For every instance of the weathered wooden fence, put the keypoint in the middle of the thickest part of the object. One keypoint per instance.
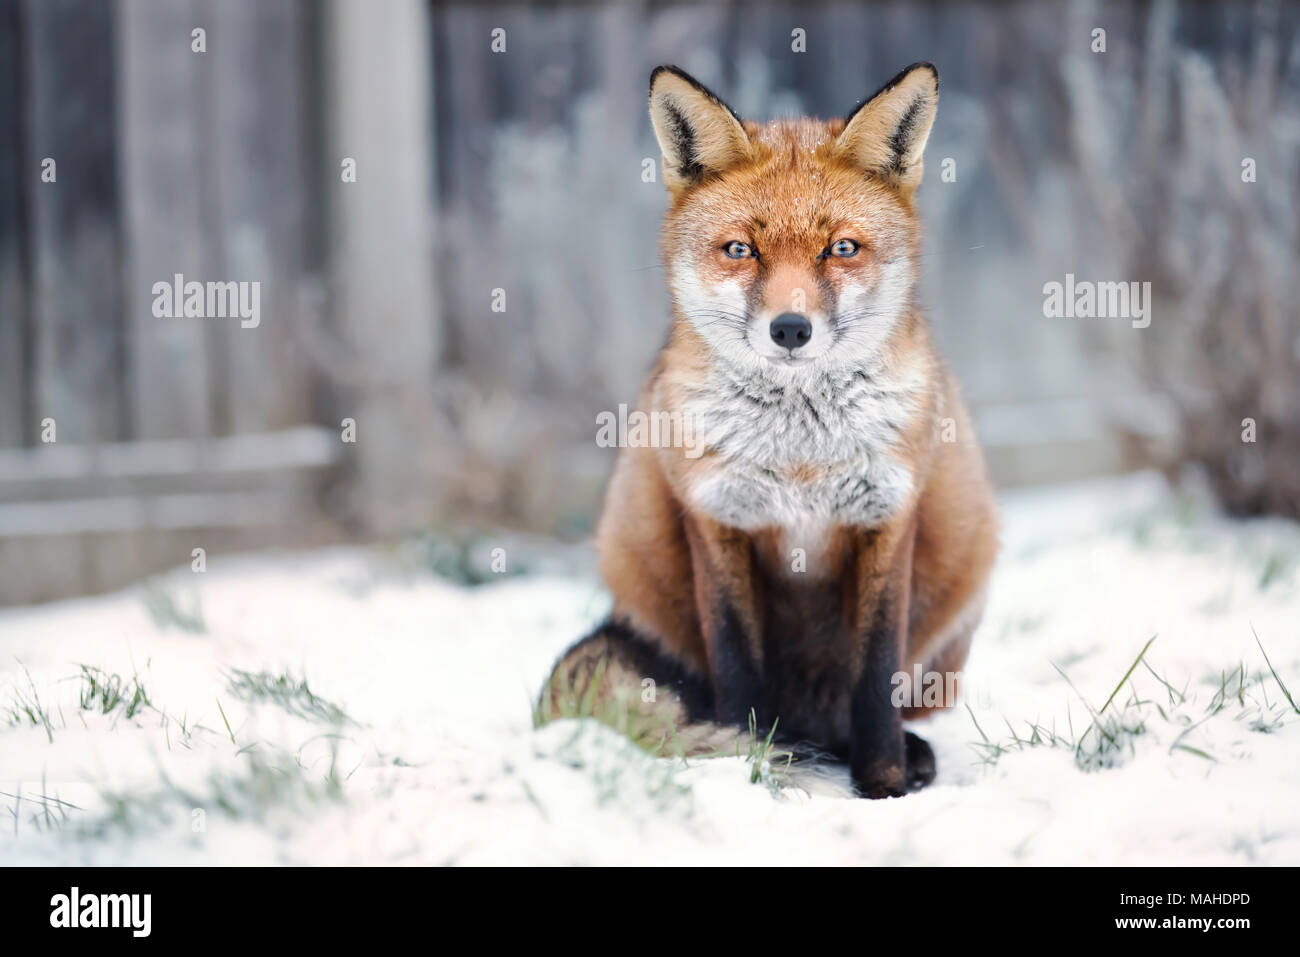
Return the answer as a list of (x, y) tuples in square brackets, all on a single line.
[(445, 208), (1053, 153), (183, 141)]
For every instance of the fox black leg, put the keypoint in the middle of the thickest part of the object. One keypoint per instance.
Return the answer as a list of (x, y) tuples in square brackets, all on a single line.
[(877, 754), (737, 686), (722, 563), (883, 760)]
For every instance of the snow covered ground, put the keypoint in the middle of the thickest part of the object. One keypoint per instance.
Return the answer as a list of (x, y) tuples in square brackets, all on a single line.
[(414, 743)]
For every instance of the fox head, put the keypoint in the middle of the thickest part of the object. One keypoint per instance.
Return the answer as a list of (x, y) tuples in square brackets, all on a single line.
[(792, 246)]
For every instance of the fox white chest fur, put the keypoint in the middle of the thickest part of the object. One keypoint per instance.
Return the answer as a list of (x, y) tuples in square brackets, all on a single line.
[(801, 453)]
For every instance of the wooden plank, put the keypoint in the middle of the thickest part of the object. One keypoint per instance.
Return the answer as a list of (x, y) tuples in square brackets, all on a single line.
[(15, 337), (164, 172), (466, 110), (76, 255), (305, 446), (34, 569), (259, 180), (622, 338), (468, 119), (382, 260), (77, 351), (136, 513)]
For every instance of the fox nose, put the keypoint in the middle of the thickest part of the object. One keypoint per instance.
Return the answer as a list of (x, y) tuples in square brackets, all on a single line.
[(790, 330)]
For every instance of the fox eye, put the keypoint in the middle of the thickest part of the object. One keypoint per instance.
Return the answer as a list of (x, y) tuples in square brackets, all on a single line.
[(738, 250), (843, 248)]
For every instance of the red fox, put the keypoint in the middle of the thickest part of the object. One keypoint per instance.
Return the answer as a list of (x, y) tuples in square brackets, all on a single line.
[(838, 527)]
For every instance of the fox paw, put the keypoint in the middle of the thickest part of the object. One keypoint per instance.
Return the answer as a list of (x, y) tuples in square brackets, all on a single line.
[(917, 771), (921, 767)]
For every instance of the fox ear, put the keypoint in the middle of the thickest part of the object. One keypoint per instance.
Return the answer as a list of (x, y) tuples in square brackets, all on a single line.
[(886, 135), (698, 133)]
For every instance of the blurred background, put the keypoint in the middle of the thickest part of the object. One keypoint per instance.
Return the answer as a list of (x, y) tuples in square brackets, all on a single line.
[(487, 280)]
